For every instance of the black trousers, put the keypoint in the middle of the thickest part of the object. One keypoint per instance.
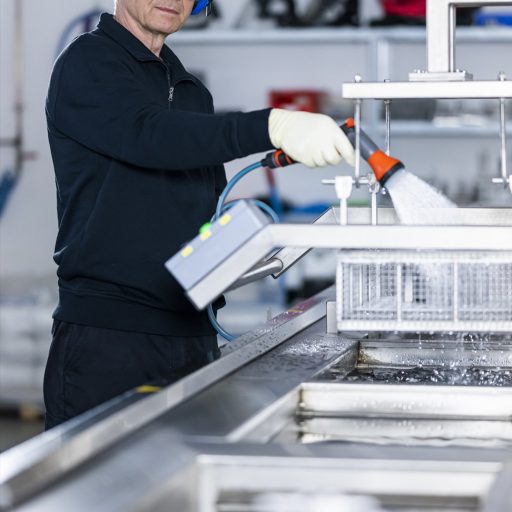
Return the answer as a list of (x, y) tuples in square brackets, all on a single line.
[(88, 365)]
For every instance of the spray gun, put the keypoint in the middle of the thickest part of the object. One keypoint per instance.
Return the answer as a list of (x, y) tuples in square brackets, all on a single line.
[(383, 166)]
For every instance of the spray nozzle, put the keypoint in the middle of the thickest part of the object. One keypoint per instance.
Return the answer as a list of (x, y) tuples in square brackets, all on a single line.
[(383, 166)]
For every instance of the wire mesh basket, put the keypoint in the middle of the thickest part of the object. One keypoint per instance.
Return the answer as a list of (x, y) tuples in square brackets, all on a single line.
[(424, 291)]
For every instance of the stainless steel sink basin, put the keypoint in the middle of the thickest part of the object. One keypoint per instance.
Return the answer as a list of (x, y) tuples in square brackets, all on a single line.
[(402, 392), (410, 392)]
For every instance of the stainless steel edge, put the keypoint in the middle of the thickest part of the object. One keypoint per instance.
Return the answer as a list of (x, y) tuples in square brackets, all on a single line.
[(387, 216), (442, 90), (392, 237), (306, 236)]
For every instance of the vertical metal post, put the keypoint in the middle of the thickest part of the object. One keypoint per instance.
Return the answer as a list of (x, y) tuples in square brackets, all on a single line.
[(441, 31), (387, 111), (330, 316), (452, 26), (455, 292), (503, 137), (357, 119), (398, 268), (351, 288), (360, 286), (343, 212), (377, 280), (374, 207), (341, 286), (387, 104)]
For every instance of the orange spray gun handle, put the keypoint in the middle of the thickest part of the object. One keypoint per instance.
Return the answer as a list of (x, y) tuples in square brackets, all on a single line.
[(383, 166)]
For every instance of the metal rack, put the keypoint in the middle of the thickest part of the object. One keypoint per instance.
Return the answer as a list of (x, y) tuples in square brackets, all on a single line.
[(424, 291)]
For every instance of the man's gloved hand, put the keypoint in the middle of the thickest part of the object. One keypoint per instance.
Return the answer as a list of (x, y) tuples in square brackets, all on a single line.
[(312, 139)]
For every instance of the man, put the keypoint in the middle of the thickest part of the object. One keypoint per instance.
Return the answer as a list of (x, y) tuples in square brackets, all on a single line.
[(138, 156)]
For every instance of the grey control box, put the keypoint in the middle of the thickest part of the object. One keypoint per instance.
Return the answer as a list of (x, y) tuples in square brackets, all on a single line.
[(215, 243)]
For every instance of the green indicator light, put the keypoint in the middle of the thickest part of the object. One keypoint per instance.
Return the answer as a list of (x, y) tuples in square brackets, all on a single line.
[(205, 227)]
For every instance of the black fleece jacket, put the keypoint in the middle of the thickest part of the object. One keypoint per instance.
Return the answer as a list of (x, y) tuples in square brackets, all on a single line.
[(138, 155)]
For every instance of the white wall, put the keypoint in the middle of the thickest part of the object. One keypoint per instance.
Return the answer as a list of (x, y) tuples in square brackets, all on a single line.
[(28, 226)]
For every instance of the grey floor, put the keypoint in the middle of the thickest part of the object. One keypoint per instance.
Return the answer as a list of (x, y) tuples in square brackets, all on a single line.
[(14, 430)]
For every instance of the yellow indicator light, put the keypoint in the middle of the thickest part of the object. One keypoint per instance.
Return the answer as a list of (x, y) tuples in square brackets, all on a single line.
[(148, 389), (205, 235), (187, 251), (224, 219)]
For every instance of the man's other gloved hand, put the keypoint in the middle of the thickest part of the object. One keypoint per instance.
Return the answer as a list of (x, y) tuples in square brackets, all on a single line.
[(312, 139)]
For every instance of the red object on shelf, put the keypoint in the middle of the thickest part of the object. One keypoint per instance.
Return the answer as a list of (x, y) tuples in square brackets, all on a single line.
[(405, 8), (301, 100)]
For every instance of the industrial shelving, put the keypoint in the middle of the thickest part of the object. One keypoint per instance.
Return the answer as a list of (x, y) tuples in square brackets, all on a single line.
[(380, 46), (242, 66)]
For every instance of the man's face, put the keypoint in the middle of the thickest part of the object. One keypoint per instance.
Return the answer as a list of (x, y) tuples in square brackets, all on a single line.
[(157, 16)]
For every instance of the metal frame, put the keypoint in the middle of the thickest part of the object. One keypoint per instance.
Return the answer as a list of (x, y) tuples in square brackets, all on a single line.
[(463, 237), (441, 32), (440, 90), (355, 313)]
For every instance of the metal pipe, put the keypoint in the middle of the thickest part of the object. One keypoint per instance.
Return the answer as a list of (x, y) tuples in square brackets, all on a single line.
[(374, 206), (387, 109), (357, 118), (259, 271)]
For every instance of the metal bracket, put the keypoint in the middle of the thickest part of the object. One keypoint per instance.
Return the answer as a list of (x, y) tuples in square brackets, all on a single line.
[(441, 24)]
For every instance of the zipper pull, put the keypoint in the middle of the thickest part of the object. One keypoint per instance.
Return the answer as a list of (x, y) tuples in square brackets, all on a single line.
[(171, 93)]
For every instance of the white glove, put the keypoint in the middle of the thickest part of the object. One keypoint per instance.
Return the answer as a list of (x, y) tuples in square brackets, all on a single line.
[(312, 139)]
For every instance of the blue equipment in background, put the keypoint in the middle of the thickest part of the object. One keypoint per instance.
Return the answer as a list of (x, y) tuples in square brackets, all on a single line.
[(202, 4), (7, 182)]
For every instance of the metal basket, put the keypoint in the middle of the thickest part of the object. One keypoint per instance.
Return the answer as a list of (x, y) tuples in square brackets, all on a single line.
[(424, 291)]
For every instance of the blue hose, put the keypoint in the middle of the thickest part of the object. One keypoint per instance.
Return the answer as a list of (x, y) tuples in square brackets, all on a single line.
[(217, 326), (231, 184), (260, 204), (223, 206)]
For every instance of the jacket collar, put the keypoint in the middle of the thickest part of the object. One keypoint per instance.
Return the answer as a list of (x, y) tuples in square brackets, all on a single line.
[(138, 50)]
